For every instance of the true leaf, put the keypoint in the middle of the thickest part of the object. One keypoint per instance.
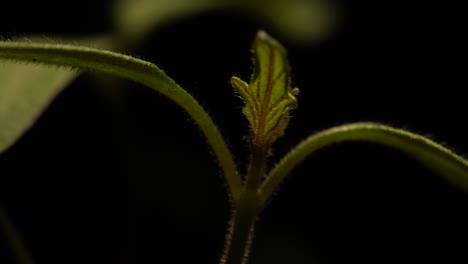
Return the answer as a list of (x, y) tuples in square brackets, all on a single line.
[(268, 98)]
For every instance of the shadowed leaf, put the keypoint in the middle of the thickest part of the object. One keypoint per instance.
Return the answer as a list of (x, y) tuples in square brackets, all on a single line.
[(18, 247), (135, 18), (302, 21)]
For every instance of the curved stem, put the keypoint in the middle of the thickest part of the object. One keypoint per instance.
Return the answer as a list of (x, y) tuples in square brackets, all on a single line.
[(136, 70), (426, 151)]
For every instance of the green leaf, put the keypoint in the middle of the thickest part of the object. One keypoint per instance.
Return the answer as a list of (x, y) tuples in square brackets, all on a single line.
[(133, 19), (268, 98), (429, 153), (25, 91), (301, 21), (134, 69)]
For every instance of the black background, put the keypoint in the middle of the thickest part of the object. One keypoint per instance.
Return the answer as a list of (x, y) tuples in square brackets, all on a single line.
[(116, 173)]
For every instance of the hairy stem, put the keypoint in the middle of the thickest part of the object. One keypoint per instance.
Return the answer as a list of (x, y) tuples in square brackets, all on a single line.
[(426, 151), (257, 168), (239, 238), (240, 235), (136, 70)]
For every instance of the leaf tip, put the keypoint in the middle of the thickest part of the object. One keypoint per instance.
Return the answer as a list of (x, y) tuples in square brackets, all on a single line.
[(268, 97)]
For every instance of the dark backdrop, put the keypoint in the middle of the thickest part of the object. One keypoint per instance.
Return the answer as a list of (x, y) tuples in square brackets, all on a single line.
[(115, 173)]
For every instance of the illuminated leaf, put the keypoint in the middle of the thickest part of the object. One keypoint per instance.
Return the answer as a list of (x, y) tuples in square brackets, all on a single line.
[(25, 91), (268, 98)]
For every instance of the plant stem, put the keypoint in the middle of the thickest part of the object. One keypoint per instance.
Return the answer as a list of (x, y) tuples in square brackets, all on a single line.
[(257, 168), (239, 238), (14, 238)]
